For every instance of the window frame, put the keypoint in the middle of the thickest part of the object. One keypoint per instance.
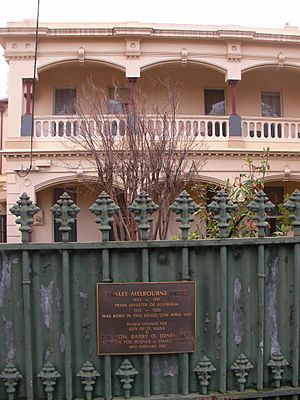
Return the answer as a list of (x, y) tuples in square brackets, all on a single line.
[(55, 89), (123, 105), (225, 99), (271, 93)]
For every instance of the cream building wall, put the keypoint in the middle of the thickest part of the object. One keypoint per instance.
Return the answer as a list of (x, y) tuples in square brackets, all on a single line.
[(193, 57)]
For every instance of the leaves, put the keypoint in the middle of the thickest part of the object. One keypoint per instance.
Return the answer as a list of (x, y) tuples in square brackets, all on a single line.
[(241, 191)]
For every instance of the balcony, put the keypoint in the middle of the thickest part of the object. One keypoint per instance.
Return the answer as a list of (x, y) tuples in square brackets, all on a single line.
[(203, 127), (64, 127), (262, 129)]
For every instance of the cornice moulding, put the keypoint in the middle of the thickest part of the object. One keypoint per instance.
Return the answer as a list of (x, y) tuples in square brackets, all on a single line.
[(155, 30), (15, 153)]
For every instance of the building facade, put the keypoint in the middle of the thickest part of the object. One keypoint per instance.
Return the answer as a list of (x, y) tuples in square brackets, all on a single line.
[(239, 94)]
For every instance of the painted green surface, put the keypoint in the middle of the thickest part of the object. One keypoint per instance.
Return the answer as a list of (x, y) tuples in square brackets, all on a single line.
[(247, 319), (49, 304)]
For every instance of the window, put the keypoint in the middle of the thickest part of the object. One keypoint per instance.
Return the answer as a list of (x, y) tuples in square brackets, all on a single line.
[(3, 233), (276, 196), (118, 100), (58, 191), (214, 101), (270, 104), (65, 102)]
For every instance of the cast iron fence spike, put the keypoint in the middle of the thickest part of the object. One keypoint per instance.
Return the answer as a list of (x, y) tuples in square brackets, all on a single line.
[(222, 208), (143, 207), (277, 364), (88, 375), (24, 210), (185, 207), (241, 368), (11, 378), (65, 211), (49, 375), (203, 370), (260, 205), (127, 374), (293, 205), (104, 208)]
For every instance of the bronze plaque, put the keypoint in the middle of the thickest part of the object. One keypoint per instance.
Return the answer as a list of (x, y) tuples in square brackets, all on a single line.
[(146, 318)]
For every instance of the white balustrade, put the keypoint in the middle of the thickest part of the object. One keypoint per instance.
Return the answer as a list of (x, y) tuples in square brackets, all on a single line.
[(263, 129), (203, 127)]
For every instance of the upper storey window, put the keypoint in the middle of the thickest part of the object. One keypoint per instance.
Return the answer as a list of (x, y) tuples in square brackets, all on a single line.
[(214, 101), (270, 104), (65, 101), (118, 100)]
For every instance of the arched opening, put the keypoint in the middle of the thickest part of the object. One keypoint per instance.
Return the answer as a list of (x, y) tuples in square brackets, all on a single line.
[(191, 88), (65, 90), (268, 99), (194, 93), (278, 191), (84, 228)]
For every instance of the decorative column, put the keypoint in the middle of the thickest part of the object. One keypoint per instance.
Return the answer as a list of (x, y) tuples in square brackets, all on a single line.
[(3, 106), (233, 85), (26, 119), (132, 94), (132, 114), (28, 86), (235, 125)]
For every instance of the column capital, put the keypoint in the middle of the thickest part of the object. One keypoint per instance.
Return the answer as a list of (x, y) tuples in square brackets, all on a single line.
[(233, 82), (28, 81)]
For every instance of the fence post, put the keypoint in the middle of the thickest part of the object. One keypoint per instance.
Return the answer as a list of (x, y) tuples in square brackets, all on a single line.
[(24, 210), (185, 207), (104, 208), (222, 206), (260, 204), (293, 205), (64, 211), (143, 207)]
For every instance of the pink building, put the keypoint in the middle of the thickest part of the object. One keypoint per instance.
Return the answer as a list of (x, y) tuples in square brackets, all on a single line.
[(240, 94)]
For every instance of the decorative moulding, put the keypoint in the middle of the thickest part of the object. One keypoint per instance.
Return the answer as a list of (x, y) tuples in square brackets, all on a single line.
[(132, 48), (81, 54), (281, 58), (234, 51), (184, 56)]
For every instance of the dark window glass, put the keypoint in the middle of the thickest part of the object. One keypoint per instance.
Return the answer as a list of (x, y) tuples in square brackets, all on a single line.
[(65, 102), (118, 100), (3, 232), (214, 101), (270, 104), (57, 234), (275, 195)]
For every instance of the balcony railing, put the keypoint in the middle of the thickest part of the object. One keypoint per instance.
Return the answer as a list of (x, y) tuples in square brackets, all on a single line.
[(203, 127), (263, 129), (54, 127)]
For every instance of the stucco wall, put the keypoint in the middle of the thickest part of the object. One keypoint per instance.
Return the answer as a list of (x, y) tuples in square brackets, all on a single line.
[(87, 229)]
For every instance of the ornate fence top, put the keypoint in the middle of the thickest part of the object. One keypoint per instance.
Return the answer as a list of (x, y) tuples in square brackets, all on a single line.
[(105, 209)]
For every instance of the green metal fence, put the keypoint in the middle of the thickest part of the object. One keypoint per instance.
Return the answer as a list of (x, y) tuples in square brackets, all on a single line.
[(247, 309)]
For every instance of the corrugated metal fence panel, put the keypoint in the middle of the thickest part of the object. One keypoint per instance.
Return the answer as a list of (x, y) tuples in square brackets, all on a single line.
[(47, 290)]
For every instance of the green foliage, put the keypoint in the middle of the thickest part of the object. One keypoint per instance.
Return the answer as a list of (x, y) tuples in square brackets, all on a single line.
[(285, 223), (241, 191)]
